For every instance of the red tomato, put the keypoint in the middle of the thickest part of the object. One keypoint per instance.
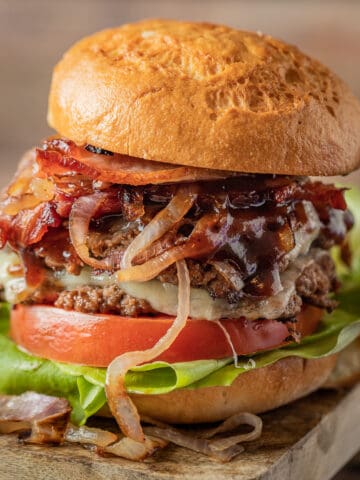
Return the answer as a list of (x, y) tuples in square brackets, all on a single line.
[(73, 337)]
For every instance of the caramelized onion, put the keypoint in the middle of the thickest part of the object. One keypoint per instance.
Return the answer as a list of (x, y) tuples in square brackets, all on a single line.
[(89, 436), (38, 190), (229, 273), (181, 438), (223, 449), (201, 242), (42, 189), (200, 445), (26, 190), (120, 403), (132, 450), (179, 205), (109, 442), (203, 441), (82, 212), (11, 426), (24, 174), (13, 205), (228, 339), (230, 424)]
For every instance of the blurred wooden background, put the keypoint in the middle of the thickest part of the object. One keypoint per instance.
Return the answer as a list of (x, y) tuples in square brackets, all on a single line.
[(35, 33)]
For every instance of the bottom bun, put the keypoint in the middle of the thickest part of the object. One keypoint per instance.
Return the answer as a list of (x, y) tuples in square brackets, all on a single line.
[(347, 370), (255, 391)]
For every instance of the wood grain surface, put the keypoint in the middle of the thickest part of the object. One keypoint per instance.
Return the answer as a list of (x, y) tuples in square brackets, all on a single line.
[(308, 440)]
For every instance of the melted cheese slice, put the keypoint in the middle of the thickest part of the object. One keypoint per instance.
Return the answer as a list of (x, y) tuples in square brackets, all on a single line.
[(163, 297)]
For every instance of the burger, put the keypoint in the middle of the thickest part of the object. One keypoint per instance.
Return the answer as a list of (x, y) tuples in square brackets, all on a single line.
[(165, 253)]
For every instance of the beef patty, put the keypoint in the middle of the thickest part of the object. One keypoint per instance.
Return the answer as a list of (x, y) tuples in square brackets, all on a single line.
[(312, 287)]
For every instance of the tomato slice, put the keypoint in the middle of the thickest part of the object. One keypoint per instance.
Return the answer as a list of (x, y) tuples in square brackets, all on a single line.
[(73, 337)]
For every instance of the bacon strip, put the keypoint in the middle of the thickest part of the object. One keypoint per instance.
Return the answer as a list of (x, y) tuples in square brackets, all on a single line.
[(52, 162), (60, 157), (43, 419), (29, 226), (323, 194)]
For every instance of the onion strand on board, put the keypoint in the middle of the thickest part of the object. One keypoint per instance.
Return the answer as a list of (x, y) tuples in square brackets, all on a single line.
[(89, 436), (230, 424), (196, 444), (120, 404), (221, 449), (179, 205), (132, 450)]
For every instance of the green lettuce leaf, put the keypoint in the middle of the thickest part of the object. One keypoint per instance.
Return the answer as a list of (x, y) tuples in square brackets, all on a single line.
[(20, 372), (326, 343), (84, 386), (4, 318), (351, 275)]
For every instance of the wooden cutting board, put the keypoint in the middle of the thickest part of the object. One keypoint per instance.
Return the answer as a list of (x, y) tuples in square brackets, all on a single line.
[(308, 440)]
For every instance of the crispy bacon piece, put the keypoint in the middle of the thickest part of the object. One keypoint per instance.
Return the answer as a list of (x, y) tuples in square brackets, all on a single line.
[(34, 270), (29, 226), (58, 252), (63, 157), (63, 203), (323, 194), (53, 162), (40, 419), (318, 193), (5, 223), (43, 419)]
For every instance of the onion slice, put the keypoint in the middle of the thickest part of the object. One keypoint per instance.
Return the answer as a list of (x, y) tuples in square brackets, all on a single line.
[(83, 211), (229, 340), (120, 403), (230, 424), (90, 436), (132, 450), (183, 439), (203, 441), (11, 426), (199, 243), (176, 209), (24, 174)]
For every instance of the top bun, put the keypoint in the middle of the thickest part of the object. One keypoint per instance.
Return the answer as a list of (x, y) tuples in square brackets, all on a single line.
[(208, 96)]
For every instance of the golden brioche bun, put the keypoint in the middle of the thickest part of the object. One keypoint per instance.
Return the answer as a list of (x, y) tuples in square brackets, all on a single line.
[(207, 96), (255, 391)]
